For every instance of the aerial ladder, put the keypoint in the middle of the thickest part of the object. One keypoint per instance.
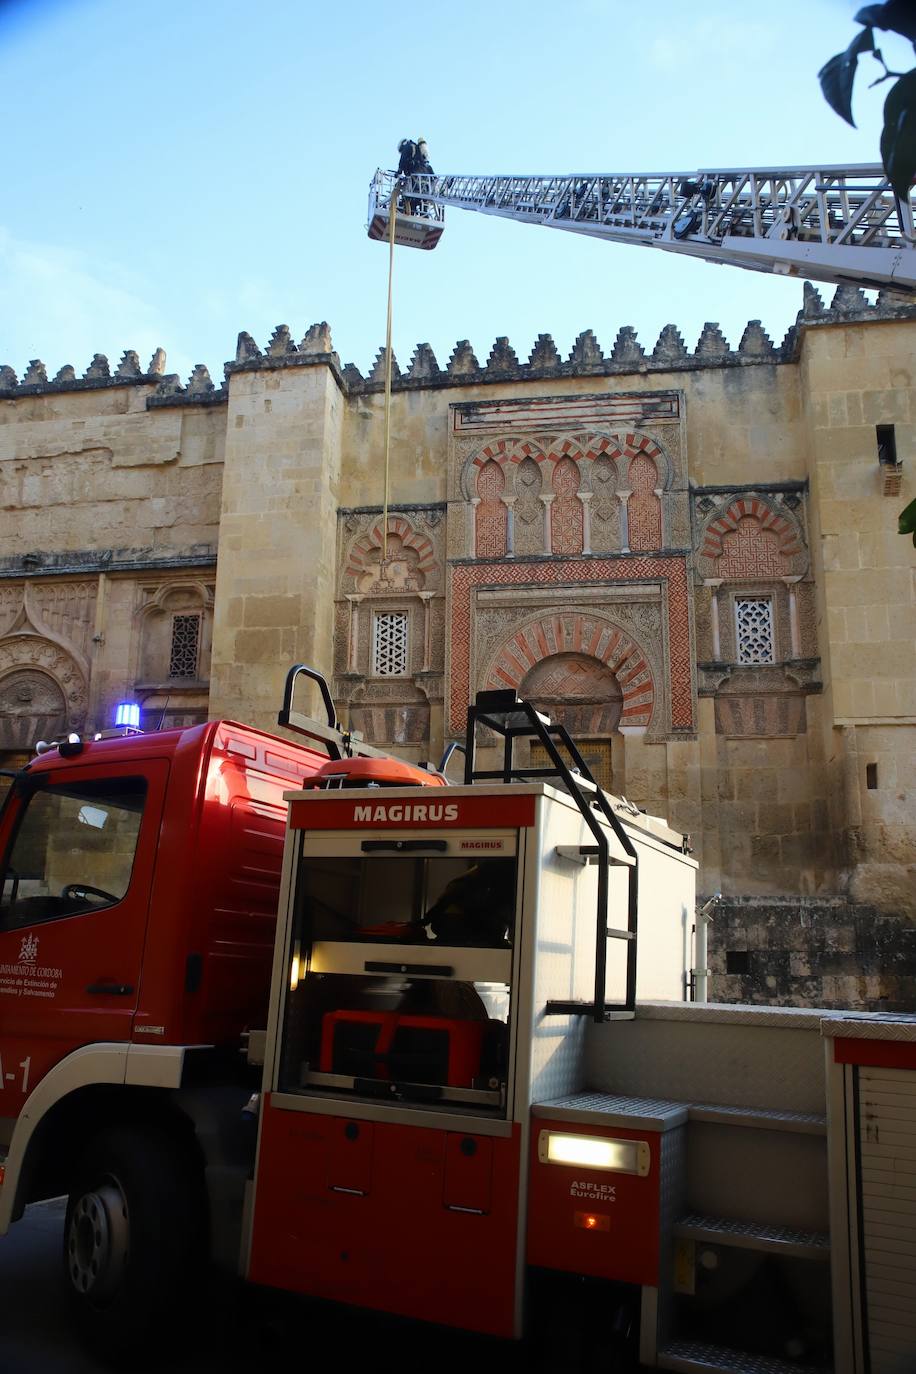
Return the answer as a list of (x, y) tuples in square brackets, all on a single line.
[(832, 224)]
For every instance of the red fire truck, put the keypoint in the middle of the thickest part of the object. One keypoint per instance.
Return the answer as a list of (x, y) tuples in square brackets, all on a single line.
[(475, 1080)]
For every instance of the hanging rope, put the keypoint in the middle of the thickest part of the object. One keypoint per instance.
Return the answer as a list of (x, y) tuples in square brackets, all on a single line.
[(392, 222)]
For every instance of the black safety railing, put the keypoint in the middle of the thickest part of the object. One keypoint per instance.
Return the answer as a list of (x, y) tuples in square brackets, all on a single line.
[(512, 719), (340, 743)]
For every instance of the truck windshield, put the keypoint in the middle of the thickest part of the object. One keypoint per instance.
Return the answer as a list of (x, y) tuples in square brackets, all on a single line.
[(401, 975), (73, 850)]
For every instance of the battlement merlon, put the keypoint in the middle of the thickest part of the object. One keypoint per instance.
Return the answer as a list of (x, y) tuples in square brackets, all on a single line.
[(586, 358)]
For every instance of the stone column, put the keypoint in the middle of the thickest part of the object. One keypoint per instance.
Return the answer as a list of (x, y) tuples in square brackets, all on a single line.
[(794, 633), (472, 551), (714, 584), (426, 598), (623, 497), (585, 497), (509, 503), (548, 532), (353, 637)]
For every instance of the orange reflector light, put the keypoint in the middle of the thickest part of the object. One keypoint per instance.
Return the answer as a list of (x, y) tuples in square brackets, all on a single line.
[(592, 1221), (2, 1174)]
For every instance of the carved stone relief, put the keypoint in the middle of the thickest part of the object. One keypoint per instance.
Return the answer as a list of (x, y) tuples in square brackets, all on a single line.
[(393, 708), (566, 509), (32, 707), (67, 608), (529, 509), (576, 690), (412, 559), (394, 712), (398, 572), (604, 508), (748, 717), (40, 685), (594, 653), (747, 537)]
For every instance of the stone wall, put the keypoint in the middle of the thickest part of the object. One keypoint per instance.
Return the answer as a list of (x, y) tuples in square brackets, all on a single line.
[(811, 952), (688, 554), (109, 525), (858, 373)]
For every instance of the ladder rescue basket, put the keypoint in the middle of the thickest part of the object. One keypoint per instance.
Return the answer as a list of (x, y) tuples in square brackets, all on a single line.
[(419, 223)]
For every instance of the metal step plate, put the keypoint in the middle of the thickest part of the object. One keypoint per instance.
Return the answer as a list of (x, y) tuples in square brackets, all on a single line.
[(694, 1356), (747, 1235), (808, 1123)]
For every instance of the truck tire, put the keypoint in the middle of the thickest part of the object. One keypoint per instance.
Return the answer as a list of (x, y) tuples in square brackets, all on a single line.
[(134, 1243)]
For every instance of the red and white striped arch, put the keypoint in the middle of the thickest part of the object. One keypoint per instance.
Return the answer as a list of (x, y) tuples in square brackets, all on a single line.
[(587, 446), (574, 632), (727, 523), (410, 538), (502, 451)]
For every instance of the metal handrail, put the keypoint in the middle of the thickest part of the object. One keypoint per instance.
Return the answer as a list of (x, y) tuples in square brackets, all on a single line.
[(504, 712)]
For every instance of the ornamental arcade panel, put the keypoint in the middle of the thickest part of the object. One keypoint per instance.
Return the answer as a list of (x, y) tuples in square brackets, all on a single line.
[(568, 543)]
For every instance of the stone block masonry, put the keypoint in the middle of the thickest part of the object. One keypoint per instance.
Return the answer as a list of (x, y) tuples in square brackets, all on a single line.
[(812, 952), (688, 556)]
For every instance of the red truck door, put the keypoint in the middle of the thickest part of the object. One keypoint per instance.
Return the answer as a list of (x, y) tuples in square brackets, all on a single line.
[(79, 847)]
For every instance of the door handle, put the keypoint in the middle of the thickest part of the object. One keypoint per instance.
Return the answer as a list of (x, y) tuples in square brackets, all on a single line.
[(111, 989)]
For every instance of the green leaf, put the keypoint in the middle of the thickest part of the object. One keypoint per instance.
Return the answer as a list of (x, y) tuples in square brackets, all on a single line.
[(898, 137), (837, 75), (907, 522), (896, 15)]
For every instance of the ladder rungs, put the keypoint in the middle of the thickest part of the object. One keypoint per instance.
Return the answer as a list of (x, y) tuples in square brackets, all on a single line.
[(613, 934), (615, 1013), (588, 854)]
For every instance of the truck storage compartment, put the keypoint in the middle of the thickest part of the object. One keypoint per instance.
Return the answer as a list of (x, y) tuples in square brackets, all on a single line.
[(401, 968), (394, 1046)]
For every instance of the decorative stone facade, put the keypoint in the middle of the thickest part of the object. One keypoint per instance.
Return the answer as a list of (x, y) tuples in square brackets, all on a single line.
[(688, 556), (383, 580)]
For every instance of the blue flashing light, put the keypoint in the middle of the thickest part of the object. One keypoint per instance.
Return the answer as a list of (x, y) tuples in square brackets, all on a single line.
[(128, 713)]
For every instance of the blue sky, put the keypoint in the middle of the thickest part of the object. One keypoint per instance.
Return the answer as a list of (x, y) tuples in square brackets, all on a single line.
[(176, 173)]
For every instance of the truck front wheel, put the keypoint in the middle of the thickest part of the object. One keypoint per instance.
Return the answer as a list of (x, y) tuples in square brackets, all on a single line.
[(133, 1242)]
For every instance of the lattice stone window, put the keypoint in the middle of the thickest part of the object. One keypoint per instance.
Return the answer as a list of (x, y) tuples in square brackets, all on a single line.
[(389, 644), (185, 649), (754, 626)]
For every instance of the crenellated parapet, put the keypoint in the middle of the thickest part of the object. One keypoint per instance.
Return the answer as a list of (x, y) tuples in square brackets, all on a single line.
[(199, 390), (670, 352), (628, 354), (98, 375), (314, 349)]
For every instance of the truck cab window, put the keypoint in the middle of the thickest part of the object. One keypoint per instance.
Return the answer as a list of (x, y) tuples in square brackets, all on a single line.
[(73, 850)]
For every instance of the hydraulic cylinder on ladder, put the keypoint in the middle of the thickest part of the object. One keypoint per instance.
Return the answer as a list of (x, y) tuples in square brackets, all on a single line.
[(833, 224)]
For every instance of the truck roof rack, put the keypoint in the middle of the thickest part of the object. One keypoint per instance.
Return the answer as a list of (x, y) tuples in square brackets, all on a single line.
[(508, 716)]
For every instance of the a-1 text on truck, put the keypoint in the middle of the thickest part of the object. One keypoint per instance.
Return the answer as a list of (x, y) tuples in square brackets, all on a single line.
[(347, 1029)]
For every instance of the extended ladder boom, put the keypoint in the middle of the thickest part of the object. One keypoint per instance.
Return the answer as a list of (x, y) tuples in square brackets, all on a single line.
[(834, 224)]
